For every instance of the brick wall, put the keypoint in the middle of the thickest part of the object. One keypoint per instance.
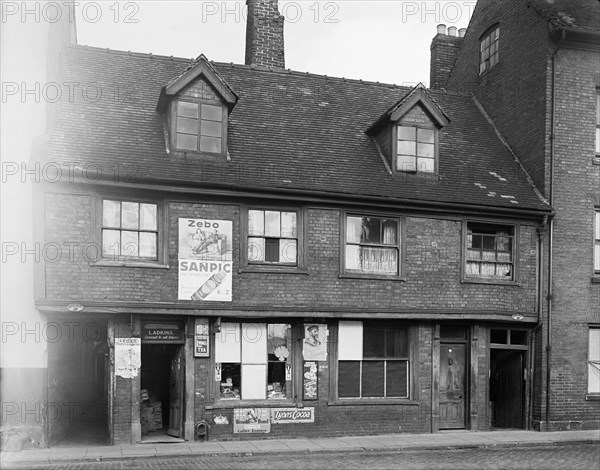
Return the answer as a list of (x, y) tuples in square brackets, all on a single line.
[(444, 50), (264, 34)]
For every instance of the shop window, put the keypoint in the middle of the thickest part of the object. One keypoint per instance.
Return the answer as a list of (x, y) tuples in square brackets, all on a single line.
[(415, 149), (199, 127), (254, 360), (372, 245), (130, 230), (373, 360), (490, 252), (594, 360), (273, 237), (488, 49)]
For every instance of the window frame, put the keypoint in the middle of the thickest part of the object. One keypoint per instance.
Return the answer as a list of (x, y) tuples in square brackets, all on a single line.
[(400, 246), (591, 362), (484, 64), (199, 102), (301, 236), (596, 246), (394, 162), (162, 247), (467, 278), (597, 136)]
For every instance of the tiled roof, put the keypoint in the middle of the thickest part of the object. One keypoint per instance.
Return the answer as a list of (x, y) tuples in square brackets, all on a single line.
[(579, 14), (288, 130)]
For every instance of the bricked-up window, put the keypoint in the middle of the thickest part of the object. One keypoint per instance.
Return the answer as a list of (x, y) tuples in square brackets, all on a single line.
[(129, 230), (372, 245), (199, 127), (488, 49), (490, 251), (373, 360), (594, 360), (273, 237), (254, 360), (597, 241), (415, 149)]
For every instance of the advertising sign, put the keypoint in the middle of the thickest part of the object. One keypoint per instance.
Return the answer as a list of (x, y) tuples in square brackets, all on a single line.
[(162, 333), (251, 420), (201, 338), (315, 342), (309, 374), (292, 415), (205, 260), (128, 357)]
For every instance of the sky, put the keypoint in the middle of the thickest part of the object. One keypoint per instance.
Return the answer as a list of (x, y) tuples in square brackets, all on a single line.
[(385, 41)]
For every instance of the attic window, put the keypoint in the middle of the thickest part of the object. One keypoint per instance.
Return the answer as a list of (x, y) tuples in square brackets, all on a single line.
[(415, 149), (488, 49), (199, 127)]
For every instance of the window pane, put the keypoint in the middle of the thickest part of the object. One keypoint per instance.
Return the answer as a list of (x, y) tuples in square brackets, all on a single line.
[(426, 136), (372, 378), (148, 216), (352, 257), (211, 128), (272, 250), (390, 232), (111, 214), (518, 337), (425, 150), (130, 215), (406, 163), (278, 341), (254, 381), (129, 243), (373, 342), (594, 361), (489, 243), (111, 242), (370, 230), (350, 340), (187, 126), (254, 343), (212, 113), (379, 260), (256, 223), (348, 379), (597, 231), (288, 224), (396, 342), (499, 336), (227, 344), (186, 109), (426, 165), (407, 147), (473, 254), (272, 224), (396, 379), (597, 256), (148, 245), (187, 142), (276, 380), (256, 249), (406, 133), (231, 381), (210, 144), (353, 229), (288, 250)]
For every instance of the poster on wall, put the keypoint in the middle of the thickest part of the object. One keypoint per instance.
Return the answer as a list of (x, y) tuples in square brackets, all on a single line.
[(205, 260), (128, 357), (201, 338), (310, 380), (315, 342), (251, 420), (292, 415)]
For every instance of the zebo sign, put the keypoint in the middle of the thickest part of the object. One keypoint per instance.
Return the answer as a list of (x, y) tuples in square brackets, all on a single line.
[(292, 415)]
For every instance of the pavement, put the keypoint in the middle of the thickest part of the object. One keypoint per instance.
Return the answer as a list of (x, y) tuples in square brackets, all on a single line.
[(389, 442)]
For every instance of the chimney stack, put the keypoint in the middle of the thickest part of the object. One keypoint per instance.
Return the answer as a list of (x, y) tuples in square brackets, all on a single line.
[(444, 50), (264, 34)]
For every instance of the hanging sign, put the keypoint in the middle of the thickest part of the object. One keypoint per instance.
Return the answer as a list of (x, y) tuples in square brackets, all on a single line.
[(310, 380), (201, 338)]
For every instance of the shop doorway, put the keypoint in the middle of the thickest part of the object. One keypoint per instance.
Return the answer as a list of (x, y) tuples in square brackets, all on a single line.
[(453, 383), (507, 388), (162, 386)]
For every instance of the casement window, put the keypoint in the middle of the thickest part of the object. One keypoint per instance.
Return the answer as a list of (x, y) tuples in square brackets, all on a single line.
[(594, 360), (200, 127), (597, 241), (373, 360), (273, 237), (254, 360), (372, 245), (130, 230), (490, 252), (415, 149), (488, 49)]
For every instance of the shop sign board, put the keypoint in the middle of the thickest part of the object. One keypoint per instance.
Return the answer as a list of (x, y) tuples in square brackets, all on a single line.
[(201, 338), (205, 260), (251, 420), (158, 332), (292, 415)]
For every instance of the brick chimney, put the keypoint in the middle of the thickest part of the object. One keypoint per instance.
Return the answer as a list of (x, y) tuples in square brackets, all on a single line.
[(264, 34), (444, 50)]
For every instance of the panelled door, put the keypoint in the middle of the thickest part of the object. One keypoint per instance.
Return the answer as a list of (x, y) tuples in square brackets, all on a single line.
[(452, 386), (176, 393)]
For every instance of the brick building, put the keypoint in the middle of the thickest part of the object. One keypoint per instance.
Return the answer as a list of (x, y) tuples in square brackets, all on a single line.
[(277, 253)]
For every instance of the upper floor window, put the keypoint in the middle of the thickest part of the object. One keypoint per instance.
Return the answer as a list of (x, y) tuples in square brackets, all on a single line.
[(273, 237), (488, 49), (129, 230), (372, 245), (415, 149), (490, 251), (597, 241), (199, 127)]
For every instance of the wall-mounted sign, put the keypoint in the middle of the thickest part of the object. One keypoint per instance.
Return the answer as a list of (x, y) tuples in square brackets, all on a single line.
[(251, 420), (128, 357), (205, 260), (292, 415), (310, 380), (201, 338), (315, 342), (159, 332)]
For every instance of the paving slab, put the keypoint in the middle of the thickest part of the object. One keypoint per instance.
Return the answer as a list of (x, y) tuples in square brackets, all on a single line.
[(300, 445), (270, 445), (173, 449), (237, 446), (331, 443), (206, 448), (104, 452), (138, 451)]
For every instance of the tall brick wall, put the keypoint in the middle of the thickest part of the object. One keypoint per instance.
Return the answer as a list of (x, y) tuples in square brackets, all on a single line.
[(444, 51), (264, 34)]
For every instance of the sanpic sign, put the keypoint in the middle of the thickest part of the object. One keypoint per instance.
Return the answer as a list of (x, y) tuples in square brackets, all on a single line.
[(292, 415)]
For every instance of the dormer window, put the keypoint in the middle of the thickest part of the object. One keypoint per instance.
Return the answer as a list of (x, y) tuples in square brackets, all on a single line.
[(488, 49), (415, 149), (199, 127)]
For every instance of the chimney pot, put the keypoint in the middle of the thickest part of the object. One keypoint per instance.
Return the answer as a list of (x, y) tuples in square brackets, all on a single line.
[(441, 29), (452, 31), (461, 32)]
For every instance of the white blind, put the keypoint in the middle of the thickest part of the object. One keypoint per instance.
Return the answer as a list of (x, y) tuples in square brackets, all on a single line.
[(227, 343), (350, 341), (254, 343)]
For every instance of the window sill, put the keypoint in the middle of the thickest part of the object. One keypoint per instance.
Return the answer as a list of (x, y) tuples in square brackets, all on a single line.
[(231, 404), (129, 264), (373, 401), (494, 282), (273, 269), (596, 279), (592, 397), (372, 277)]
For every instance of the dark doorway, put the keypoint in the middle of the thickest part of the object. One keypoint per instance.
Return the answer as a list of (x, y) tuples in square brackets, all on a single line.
[(452, 386), (507, 388)]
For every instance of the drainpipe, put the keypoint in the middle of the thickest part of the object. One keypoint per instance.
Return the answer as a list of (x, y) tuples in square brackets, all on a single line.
[(551, 233)]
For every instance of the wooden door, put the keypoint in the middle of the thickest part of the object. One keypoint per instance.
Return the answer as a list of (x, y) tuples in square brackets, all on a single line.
[(507, 388), (176, 394), (452, 386)]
